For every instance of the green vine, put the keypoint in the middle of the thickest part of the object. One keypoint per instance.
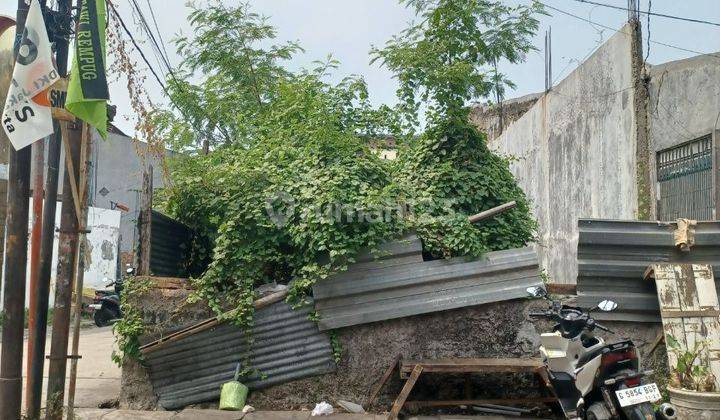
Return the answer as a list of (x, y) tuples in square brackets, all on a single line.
[(337, 349), (288, 186), (128, 330)]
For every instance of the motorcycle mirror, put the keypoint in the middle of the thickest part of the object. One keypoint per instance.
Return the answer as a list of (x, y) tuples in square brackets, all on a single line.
[(607, 305), (536, 291)]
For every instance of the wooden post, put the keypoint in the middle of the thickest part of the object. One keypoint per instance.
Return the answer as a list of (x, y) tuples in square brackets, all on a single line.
[(383, 380), (405, 392), (145, 224), (716, 172), (80, 271)]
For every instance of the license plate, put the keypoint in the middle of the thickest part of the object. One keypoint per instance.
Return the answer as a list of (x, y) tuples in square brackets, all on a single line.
[(638, 395), (95, 306)]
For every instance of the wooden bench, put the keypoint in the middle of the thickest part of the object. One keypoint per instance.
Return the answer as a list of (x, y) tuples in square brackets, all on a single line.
[(412, 369)]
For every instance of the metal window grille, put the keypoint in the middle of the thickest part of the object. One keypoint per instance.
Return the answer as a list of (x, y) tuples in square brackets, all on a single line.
[(684, 175)]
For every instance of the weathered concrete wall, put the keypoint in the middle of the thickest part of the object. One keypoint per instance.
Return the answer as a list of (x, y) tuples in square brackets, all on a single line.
[(487, 117), (684, 104), (575, 151), (684, 100), (493, 330)]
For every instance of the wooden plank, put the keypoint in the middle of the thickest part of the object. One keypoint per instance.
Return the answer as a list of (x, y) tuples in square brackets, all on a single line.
[(482, 365), (492, 212), (500, 401), (687, 295), (208, 323), (407, 388), (383, 380)]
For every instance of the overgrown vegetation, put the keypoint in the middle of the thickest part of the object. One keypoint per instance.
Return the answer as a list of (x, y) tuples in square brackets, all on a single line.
[(131, 326), (291, 188), (692, 370)]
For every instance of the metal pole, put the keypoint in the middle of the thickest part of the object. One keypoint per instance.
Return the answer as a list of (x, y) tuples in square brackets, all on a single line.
[(38, 160), (36, 359), (15, 267), (67, 261), (80, 273)]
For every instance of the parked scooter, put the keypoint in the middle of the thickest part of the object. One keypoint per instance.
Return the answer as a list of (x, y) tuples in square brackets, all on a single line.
[(594, 380), (106, 304)]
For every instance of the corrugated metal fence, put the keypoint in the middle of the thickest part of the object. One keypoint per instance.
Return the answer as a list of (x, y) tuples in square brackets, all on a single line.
[(613, 257), (287, 346), (404, 286), (170, 243)]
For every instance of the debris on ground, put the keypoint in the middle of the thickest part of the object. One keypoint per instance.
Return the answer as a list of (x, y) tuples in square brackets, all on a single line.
[(351, 407), (322, 409)]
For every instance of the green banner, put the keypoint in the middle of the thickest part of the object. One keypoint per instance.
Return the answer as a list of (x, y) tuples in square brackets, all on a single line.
[(88, 90)]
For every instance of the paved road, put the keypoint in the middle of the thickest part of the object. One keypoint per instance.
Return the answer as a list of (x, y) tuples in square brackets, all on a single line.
[(98, 377)]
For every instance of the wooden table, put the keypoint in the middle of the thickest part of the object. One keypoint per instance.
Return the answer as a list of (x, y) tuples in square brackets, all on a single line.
[(412, 369)]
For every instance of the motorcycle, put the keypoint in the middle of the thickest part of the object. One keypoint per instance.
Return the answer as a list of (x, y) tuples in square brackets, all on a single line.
[(591, 379), (106, 303)]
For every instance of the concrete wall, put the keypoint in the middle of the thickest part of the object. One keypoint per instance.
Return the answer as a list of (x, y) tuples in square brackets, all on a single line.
[(117, 167), (575, 151), (684, 103), (684, 100), (487, 117), (101, 260)]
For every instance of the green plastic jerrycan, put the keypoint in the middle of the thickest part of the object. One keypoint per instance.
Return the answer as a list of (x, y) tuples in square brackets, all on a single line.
[(233, 394)]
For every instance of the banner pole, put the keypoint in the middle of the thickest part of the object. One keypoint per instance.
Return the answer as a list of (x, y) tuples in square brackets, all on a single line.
[(15, 267)]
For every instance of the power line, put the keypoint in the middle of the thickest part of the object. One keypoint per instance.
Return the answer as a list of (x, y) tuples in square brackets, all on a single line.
[(162, 42), (618, 30), (152, 70), (146, 27), (649, 13)]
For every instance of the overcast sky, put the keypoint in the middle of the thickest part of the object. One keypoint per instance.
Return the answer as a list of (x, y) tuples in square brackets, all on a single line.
[(348, 28)]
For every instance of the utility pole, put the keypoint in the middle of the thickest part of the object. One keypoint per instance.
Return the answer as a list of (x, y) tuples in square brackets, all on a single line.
[(38, 334), (15, 267), (67, 261)]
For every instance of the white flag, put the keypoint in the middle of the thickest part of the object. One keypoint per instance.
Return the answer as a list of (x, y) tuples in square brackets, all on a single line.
[(27, 116)]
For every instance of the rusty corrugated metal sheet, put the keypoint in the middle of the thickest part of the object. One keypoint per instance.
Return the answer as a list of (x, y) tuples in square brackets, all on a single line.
[(613, 256), (287, 346), (378, 291), (169, 246)]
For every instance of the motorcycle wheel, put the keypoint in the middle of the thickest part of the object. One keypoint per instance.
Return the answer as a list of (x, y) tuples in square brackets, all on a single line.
[(102, 316), (597, 411)]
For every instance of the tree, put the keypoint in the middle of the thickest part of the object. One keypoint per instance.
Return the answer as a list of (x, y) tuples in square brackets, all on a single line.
[(230, 70), (446, 60), (450, 57)]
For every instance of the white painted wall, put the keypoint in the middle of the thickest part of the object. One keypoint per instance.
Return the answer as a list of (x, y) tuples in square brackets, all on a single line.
[(102, 245), (575, 151)]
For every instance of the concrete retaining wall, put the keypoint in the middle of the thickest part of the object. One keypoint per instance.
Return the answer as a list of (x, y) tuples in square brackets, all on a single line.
[(492, 330)]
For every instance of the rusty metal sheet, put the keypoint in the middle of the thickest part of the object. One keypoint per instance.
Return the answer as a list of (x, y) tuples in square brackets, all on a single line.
[(362, 295), (287, 346), (613, 256)]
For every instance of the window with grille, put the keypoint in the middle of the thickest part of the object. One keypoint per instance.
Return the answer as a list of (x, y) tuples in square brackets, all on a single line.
[(684, 175)]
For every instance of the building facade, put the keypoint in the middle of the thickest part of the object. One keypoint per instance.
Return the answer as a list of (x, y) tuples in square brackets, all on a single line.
[(617, 139)]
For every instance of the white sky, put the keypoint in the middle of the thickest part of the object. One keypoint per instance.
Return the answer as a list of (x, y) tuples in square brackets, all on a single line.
[(348, 28)]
